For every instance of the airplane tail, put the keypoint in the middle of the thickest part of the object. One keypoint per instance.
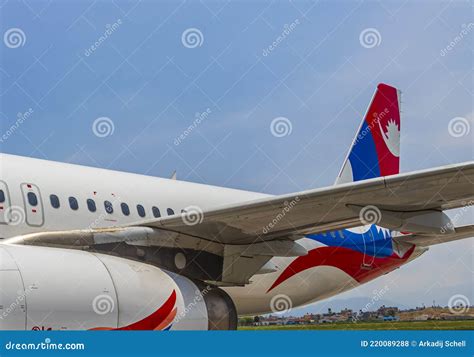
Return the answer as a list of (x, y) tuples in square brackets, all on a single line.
[(375, 150)]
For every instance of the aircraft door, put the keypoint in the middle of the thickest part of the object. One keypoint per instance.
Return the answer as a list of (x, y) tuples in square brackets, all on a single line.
[(4, 202), (33, 204)]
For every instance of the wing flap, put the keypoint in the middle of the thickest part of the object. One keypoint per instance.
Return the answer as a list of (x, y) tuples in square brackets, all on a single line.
[(433, 239)]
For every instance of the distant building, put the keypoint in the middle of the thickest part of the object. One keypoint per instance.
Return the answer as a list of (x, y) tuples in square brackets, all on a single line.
[(384, 313), (422, 317)]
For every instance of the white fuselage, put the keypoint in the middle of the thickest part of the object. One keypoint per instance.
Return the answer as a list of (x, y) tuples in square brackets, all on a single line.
[(20, 176)]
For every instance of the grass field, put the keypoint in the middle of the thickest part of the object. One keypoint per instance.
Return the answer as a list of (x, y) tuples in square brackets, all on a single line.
[(376, 325)]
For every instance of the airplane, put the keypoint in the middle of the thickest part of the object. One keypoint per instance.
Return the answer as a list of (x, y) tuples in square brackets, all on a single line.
[(86, 248)]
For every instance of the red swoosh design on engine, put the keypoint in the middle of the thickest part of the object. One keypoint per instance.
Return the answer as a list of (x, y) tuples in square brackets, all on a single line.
[(158, 320), (348, 260)]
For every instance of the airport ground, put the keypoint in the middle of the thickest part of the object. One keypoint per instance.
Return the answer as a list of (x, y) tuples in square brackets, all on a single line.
[(375, 325)]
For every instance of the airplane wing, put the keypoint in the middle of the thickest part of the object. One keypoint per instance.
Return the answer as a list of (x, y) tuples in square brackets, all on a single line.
[(240, 239), (385, 200)]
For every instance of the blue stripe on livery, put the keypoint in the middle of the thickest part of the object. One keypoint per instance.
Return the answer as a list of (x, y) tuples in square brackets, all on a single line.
[(376, 241), (363, 156)]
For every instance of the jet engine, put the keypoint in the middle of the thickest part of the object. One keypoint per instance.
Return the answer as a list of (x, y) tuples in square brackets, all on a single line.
[(44, 288)]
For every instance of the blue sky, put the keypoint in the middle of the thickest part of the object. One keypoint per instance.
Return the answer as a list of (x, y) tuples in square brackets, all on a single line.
[(320, 76)]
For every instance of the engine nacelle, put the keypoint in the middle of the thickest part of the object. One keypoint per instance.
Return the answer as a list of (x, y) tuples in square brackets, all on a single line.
[(59, 289)]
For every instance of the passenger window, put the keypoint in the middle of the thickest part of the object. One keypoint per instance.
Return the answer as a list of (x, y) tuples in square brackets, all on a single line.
[(91, 205), (170, 211), (73, 203), (125, 209), (156, 212), (108, 207), (341, 234), (54, 201), (2, 196), (141, 211), (32, 199)]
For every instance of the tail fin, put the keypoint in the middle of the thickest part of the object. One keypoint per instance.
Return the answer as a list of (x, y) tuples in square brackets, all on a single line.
[(375, 150)]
